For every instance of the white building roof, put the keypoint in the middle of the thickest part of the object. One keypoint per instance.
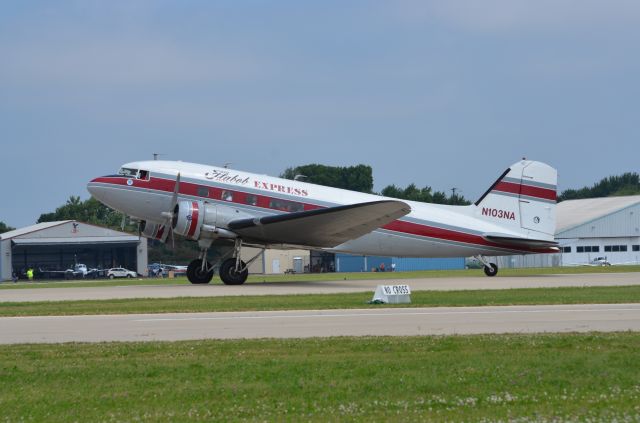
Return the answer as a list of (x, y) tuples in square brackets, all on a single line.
[(66, 231), (572, 213), (33, 228)]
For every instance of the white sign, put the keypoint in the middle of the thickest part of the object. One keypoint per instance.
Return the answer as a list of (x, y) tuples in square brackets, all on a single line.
[(392, 294)]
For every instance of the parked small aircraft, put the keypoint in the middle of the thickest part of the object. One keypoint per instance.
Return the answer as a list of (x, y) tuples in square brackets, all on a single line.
[(227, 209)]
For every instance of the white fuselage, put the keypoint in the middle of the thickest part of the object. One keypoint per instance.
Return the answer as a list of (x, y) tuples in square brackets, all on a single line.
[(429, 230)]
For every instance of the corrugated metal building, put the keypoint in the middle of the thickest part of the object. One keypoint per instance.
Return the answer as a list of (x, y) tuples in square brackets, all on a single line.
[(590, 229), (351, 263), (59, 245)]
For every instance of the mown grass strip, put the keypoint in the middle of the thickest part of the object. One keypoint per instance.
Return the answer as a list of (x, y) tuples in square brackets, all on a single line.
[(569, 295), (316, 277), (545, 377)]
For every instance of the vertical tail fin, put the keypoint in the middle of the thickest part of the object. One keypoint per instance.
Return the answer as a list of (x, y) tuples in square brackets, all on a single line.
[(523, 200)]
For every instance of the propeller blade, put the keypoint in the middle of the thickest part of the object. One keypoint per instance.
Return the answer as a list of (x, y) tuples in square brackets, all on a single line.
[(174, 199)]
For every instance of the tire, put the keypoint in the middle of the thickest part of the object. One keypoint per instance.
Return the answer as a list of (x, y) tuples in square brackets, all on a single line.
[(195, 273), (229, 275), (111, 276), (491, 270), (129, 276)]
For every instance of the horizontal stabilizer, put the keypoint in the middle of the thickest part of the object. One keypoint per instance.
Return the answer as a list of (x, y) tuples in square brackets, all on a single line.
[(322, 228), (519, 242)]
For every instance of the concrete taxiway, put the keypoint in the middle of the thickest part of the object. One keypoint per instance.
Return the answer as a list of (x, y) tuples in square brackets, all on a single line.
[(301, 324), (285, 288)]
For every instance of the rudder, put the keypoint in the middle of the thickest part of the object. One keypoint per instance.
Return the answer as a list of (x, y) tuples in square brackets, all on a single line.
[(523, 199)]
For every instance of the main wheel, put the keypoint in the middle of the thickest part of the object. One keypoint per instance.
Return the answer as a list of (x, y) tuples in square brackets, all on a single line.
[(195, 273), (229, 275), (491, 270)]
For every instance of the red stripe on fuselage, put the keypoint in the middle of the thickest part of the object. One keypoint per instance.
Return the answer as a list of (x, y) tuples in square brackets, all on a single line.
[(239, 197), (449, 235), (194, 219), (528, 190)]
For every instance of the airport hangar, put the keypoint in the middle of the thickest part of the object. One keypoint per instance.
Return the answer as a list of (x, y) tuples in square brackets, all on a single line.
[(588, 229), (60, 245)]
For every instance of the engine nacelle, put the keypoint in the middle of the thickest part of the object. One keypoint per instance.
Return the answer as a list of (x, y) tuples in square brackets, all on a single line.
[(196, 220), (155, 231), (188, 218)]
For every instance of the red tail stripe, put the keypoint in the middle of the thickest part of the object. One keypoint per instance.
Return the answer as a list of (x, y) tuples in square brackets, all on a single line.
[(528, 190)]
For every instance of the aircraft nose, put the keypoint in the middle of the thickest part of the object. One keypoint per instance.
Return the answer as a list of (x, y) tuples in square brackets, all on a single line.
[(94, 188)]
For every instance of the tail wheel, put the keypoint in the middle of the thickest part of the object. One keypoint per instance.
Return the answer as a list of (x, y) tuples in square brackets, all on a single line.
[(230, 276), (491, 269), (196, 275)]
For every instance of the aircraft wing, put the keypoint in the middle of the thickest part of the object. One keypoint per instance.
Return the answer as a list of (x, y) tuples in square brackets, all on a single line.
[(519, 242), (322, 228)]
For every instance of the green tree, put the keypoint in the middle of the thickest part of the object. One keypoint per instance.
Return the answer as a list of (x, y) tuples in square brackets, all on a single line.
[(88, 211), (413, 193), (4, 228), (355, 178), (625, 184)]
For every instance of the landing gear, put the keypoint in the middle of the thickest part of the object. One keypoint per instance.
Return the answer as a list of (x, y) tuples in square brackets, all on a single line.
[(231, 275), (490, 269), (233, 271), (199, 272)]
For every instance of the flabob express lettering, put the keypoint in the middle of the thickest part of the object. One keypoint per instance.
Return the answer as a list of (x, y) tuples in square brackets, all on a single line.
[(224, 176), (281, 188), (500, 214)]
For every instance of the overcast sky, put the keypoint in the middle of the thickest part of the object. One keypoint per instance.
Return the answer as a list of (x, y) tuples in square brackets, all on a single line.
[(446, 94)]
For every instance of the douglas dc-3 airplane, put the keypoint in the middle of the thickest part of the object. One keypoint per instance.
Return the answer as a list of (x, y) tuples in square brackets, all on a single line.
[(226, 209)]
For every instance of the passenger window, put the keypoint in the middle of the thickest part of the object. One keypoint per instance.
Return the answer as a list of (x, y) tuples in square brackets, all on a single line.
[(296, 207), (251, 200), (203, 192), (285, 205), (227, 195), (144, 175)]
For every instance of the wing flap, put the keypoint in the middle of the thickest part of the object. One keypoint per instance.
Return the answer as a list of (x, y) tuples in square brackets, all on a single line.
[(322, 228)]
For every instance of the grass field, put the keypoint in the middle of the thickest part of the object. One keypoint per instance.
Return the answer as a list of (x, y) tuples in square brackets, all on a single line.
[(589, 377), (310, 277), (568, 295)]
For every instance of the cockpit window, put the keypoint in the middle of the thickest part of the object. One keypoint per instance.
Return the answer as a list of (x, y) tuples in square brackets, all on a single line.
[(125, 171), (144, 175)]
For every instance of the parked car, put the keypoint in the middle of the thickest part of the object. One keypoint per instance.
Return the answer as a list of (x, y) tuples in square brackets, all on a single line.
[(120, 272)]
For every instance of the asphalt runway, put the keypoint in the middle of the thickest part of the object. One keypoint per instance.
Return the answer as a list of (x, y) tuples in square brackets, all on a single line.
[(302, 324), (286, 288)]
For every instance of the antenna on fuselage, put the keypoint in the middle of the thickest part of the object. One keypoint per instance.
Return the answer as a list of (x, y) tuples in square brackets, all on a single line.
[(227, 164), (155, 155)]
